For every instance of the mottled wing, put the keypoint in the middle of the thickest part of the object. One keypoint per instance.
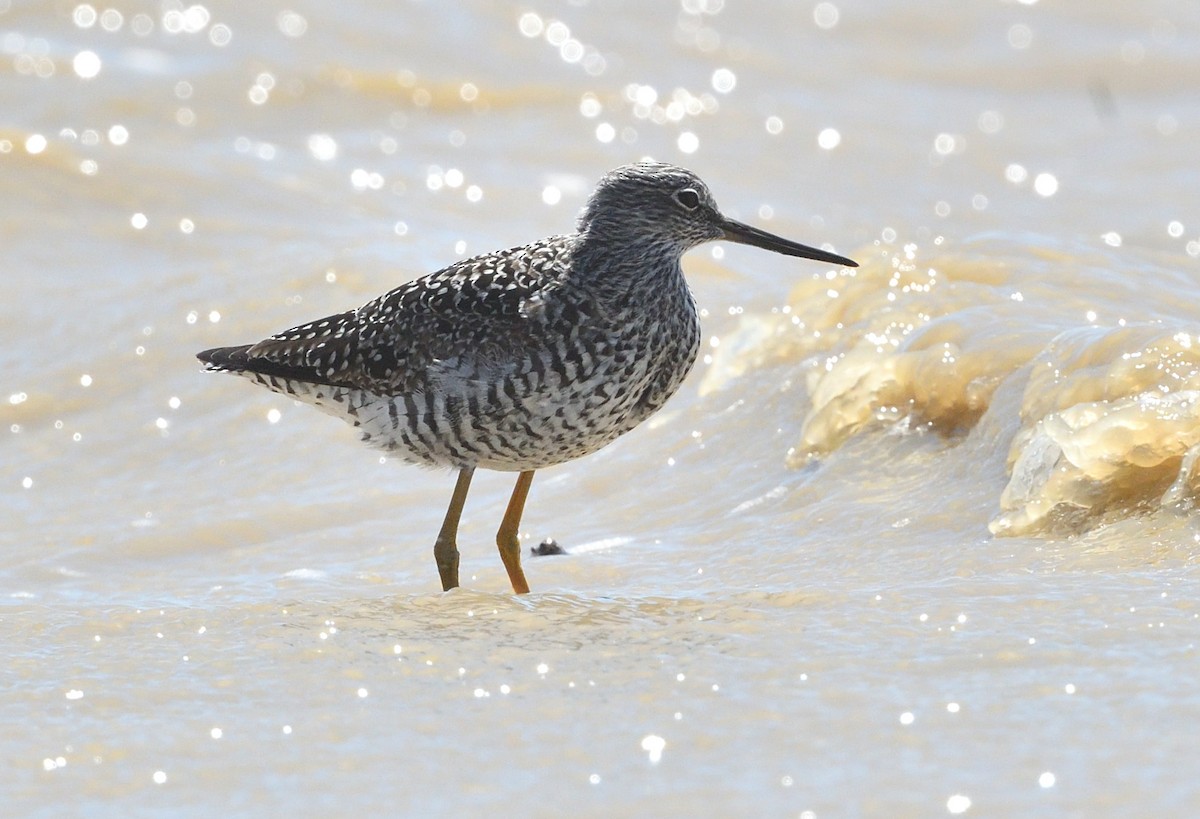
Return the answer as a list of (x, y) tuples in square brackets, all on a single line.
[(471, 316)]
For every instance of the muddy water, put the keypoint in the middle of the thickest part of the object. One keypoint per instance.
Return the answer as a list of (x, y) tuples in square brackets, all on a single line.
[(915, 539)]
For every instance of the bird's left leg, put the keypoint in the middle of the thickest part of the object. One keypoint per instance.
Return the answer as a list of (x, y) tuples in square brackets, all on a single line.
[(506, 538)]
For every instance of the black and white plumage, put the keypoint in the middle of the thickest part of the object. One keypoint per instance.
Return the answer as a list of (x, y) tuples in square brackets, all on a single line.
[(522, 358)]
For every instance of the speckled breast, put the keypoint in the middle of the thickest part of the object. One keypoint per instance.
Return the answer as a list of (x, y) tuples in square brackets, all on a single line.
[(573, 393)]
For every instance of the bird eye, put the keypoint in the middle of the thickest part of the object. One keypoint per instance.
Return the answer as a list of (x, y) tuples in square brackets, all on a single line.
[(688, 198)]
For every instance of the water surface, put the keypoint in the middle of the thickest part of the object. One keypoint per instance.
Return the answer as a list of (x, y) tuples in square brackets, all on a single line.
[(915, 539)]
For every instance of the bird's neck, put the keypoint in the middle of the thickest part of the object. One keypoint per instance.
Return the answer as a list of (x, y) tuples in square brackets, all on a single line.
[(637, 268)]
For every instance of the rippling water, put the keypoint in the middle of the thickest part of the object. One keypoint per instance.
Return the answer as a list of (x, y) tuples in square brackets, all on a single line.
[(915, 539)]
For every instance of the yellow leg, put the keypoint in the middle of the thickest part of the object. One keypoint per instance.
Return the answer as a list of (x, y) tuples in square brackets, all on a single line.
[(445, 548), (506, 538)]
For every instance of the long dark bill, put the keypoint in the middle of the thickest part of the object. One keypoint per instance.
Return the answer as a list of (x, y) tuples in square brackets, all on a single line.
[(741, 233)]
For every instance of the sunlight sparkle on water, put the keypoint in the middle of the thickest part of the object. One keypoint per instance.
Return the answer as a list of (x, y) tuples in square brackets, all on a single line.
[(84, 16), (589, 106), (191, 20), (653, 745), (829, 138), (530, 24), (1020, 36), (1045, 184), (642, 97), (825, 15), (86, 64), (323, 147), (990, 122), (946, 144), (142, 24), (558, 35), (361, 179), (291, 23), (258, 94), (723, 80)]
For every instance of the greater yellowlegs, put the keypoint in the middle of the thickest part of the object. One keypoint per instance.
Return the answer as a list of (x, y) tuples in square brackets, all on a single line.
[(523, 358)]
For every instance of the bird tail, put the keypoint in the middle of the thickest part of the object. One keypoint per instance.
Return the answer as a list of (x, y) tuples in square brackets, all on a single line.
[(249, 361), (226, 359)]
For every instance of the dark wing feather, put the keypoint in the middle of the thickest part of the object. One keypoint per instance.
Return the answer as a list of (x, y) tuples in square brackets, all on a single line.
[(473, 309)]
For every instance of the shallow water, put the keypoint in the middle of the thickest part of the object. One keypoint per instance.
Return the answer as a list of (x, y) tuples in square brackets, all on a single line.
[(915, 539)]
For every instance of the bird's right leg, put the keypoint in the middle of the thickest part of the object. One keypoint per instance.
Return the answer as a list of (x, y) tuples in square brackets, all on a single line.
[(445, 548)]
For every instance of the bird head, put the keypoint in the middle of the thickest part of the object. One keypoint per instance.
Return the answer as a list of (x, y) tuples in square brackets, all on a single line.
[(654, 202)]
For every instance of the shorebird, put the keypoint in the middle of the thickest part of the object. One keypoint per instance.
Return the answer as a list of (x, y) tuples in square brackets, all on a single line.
[(523, 358)]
